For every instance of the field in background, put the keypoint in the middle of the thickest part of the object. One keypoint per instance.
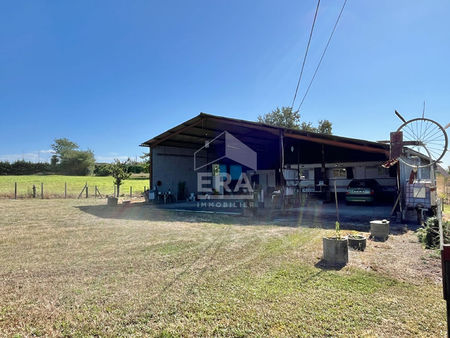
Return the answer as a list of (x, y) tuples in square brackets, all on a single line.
[(54, 185), (80, 268)]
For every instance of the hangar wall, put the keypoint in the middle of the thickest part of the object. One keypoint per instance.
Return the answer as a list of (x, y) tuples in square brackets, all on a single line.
[(172, 165)]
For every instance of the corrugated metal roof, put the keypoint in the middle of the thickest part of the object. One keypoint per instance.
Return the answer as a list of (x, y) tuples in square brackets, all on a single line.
[(194, 132)]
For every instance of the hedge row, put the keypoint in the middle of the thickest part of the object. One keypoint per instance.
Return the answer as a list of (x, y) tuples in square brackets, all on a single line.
[(25, 168), (30, 168)]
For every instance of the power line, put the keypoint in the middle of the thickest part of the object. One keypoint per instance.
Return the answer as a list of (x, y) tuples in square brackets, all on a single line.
[(306, 53), (323, 54)]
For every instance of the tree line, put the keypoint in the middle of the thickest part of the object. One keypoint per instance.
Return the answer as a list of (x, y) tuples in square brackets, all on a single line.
[(69, 159)]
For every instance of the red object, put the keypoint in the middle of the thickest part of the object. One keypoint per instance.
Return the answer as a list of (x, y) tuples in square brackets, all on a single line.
[(396, 145), (412, 176)]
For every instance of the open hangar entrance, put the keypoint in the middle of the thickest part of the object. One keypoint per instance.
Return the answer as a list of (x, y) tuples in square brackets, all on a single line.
[(292, 164)]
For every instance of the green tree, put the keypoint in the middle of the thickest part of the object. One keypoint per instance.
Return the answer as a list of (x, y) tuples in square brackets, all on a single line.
[(287, 118), (72, 161), (78, 163), (54, 162), (102, 169), (307, 126), (284, 117), (119, 170), (146, 161), (324, 127), (62, 146)]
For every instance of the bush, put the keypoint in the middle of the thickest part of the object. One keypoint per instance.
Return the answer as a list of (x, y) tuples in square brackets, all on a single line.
[(137, 168), (24, 168), (429, 234), (103, 169), (77, 163)]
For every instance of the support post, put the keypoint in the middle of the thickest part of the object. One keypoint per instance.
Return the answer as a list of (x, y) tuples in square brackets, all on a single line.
[(42, 190), (87, 190), (445, 258), (34, 191), (323, 169), (82, 190), (151, 168), (65, 189), (15, 190), (131, 191), (325, 188), (336, 199), (95, 192), (282, 181)]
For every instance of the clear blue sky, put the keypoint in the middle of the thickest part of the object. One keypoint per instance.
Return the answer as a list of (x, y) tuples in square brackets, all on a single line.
[(111, 74)]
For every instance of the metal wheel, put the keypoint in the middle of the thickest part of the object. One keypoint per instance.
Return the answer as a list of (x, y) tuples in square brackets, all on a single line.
[(425, 137)]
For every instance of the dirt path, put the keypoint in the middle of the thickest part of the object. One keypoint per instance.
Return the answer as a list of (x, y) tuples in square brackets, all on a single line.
[(402, 257)]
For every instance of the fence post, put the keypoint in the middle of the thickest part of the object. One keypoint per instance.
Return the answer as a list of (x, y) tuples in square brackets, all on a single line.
[(87, 190), (34, 191), (65, 189), (15, 190), (95, 193), (115, 190), (131, 191), (42, 190)]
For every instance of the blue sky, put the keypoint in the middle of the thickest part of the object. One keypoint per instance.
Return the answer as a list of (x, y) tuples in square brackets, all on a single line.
[(112, 74)]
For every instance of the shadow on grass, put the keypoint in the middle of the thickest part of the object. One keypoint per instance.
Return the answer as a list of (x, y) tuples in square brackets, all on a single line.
[(307, 218), (144, 211), (324, 266)]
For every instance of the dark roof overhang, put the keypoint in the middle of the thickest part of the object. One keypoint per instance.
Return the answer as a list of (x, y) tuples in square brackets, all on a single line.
[(194, 132)]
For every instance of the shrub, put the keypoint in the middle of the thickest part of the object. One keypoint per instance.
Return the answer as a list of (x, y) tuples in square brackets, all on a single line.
[(429, 234), (77, 163), (137, 167), (102, 169), (119, 172)]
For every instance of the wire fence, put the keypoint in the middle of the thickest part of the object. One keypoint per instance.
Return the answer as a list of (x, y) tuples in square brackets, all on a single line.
[(50, 190)]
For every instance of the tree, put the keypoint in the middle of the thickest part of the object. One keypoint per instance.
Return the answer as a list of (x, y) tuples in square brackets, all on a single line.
[(62, 146), (284, 117), (324, 127), (72, 161), (78, 163), (54, 161), (102, 169), (146, 157), (287, 118), (120, 173)]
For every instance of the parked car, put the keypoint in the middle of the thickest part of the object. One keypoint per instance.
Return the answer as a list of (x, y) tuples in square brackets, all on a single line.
[(362, 190)]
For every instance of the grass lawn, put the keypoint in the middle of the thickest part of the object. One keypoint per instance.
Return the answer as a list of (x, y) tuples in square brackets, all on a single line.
[(77, 268), (54, 185)]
